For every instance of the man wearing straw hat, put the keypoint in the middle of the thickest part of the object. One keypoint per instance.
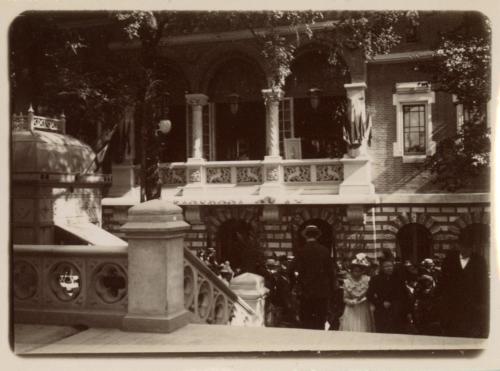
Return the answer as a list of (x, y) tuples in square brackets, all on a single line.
[(315, 278)]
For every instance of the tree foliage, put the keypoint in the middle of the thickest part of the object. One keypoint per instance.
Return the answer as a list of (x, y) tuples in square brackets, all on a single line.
[(80, 74), (463, 67)]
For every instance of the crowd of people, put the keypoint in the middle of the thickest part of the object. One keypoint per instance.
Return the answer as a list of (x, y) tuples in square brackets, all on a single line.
[(434, 297)]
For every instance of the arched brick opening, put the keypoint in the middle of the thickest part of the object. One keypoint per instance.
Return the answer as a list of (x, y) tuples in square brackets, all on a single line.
[(466, 219), (330, 215), (218, 217), (401, 220), (414, 243), (466, 222)]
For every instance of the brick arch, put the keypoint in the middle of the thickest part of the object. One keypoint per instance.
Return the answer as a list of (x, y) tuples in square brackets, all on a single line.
[(327, 214), (217, 216), (216, 57), (402, 219), (466, 219)]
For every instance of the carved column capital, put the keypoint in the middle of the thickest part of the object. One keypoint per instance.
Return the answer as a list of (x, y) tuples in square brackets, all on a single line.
[(196, 99), (272, 95)]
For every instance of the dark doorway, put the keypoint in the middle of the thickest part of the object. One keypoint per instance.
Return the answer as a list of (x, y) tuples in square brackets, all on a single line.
[(240, 134), (237, 243), (477, 236), (414, 243), (326, 239), (320, 128)]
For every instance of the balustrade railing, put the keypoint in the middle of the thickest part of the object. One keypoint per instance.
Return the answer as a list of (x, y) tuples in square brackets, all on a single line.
[(323, 171), (209, 298), (70, 285), (82, 285), (32, 122)]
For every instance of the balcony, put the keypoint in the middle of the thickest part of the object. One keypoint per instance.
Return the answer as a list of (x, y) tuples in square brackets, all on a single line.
[(265, 181)]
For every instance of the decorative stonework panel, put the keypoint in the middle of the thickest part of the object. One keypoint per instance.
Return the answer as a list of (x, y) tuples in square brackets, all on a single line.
[(19, 123), (194, 175), (65, 281), (45, 210), (45, 123), (249, 174), (297, 173), (25, 280), (272, 174), (218, 175), (110, 283), (205, 299), (173, 176), (330, 173), (23, 210)]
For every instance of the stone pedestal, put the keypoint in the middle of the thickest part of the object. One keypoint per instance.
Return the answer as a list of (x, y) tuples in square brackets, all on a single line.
[(155, 231), (250, 287), (123, 181), (357, 177)]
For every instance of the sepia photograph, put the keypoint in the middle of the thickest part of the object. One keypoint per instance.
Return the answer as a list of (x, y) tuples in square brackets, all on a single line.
[(261, 182)]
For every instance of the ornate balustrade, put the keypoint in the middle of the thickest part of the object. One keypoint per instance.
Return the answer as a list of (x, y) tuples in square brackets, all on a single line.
[(323, 171), (82, 285), (209, 298), (312, 171), (70, 285), (31, 122)]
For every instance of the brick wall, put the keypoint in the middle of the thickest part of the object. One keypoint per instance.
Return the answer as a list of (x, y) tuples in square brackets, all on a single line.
[(378, 231), (390, 174)]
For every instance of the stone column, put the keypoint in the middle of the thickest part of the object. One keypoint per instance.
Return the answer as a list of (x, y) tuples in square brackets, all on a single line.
[(272, 98), (197, 101), (155, 232)]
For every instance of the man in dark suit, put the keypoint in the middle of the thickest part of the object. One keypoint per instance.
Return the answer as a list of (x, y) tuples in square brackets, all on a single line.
[(464, 292), (316, 279), (387, 292)]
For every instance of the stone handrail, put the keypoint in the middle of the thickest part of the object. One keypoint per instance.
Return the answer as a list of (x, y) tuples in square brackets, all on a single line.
[(70, 285), (209, 298), (82, 285)]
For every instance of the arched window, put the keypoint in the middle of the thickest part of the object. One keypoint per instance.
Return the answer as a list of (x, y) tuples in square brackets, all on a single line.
[(477, 235), (239, 119), (414, 243)]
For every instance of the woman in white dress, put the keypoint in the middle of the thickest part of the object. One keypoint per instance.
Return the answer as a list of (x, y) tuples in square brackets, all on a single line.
[(357, 313)]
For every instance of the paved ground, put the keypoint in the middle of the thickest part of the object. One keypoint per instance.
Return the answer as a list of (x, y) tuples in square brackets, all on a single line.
[(30, 337), (34, 339)]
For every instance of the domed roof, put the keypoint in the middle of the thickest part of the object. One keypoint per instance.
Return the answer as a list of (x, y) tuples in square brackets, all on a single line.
[(49, 152)]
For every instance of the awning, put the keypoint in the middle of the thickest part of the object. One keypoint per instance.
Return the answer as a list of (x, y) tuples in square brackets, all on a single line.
[(91, 234)]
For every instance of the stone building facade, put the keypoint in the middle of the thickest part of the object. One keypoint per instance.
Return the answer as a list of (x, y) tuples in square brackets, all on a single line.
[(249, 192)]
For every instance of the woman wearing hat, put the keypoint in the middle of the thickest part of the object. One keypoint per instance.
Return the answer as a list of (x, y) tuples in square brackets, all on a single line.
[(357, 314)]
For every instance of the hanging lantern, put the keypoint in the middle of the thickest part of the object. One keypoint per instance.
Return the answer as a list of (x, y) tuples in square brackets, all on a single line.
[(234, 103), (314, 97), (164, 124)]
